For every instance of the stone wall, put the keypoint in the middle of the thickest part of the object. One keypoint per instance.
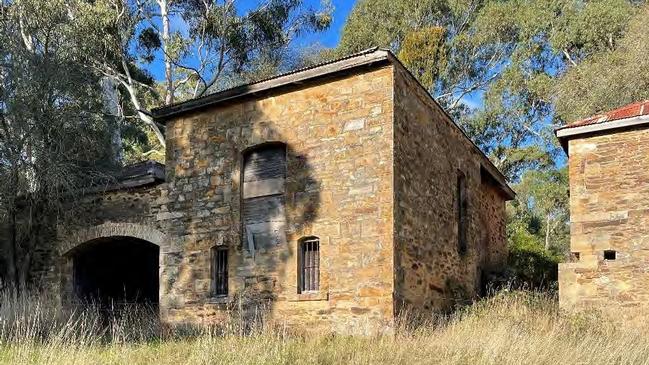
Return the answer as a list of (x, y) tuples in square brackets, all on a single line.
[(430, 151), (338, 134), (126, 212), (609, 210)]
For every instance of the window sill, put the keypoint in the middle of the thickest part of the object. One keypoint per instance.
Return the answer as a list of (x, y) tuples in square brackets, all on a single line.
[(221, 299), (314, 296)]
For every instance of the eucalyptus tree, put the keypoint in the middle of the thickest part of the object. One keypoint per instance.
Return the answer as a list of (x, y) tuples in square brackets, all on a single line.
[(200, 43), (433, 39), (610, 78), (53, 132), (494, 64)]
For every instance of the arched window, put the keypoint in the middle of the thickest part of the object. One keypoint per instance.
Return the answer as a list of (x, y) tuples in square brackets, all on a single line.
[(309, 264), (264, 196)]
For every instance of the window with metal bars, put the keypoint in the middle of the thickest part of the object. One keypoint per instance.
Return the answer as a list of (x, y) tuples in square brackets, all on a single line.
[(220, 271), (309, 265)]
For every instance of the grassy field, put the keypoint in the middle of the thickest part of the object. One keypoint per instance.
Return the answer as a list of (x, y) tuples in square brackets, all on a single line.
[(510, 328)]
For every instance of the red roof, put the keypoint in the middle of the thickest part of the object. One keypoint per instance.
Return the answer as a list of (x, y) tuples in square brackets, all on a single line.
[(628, 111)]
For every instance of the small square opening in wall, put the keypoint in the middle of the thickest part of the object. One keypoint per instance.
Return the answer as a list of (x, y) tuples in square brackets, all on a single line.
[(574, 256), (610, 255)]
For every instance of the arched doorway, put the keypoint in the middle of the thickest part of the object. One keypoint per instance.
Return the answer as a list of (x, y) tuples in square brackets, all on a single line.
[(116, 271)]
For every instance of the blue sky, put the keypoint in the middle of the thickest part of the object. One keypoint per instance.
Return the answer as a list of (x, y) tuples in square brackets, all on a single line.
[(328, 38), (331, 36)]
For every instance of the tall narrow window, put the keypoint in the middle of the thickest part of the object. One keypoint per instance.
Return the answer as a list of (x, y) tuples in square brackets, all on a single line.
[(220, 271), (309, 265), (461, 213), (263, 190)]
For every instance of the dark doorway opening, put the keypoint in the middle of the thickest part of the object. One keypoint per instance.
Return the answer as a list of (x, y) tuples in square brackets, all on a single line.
[(117, 271)]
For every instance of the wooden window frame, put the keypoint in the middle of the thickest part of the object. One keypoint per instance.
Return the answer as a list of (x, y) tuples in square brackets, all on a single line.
[(309, 265), (220, 275), (247, 238)]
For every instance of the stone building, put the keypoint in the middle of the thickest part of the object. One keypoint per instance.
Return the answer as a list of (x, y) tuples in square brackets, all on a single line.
[(337, 194), (609, 213)]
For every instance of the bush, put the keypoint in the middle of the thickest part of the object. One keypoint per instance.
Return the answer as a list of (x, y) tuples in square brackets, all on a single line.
[(529, 264)]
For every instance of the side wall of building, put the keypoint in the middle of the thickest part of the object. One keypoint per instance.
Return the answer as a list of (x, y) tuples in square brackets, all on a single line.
[(609, 210), (338, 135), (430, 153)]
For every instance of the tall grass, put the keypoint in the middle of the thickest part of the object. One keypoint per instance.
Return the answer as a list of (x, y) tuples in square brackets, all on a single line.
[(509, 328)]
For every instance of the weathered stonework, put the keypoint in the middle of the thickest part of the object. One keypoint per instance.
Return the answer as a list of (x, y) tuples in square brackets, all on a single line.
[(431, 273), (609, 210), (338, 188), (371, 170)]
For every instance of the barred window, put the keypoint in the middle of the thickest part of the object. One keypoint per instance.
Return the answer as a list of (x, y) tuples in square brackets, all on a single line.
[(462, 204), (220, 271), (309, 265)]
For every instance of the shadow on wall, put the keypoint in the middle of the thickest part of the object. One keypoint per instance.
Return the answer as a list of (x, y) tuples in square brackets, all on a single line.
[(258, 197), (280, 199)]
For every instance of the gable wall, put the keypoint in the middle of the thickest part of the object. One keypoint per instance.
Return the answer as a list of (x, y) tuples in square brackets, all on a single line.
[(338, 187)]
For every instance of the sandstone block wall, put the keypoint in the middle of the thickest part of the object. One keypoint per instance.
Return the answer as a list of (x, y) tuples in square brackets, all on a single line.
[(338, 134), (609, 210), (430, 152)]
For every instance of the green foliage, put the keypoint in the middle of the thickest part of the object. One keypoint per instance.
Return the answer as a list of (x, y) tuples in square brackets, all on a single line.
[(511, 54), (610, 78), (538, 226), (529, 262), (54, 136), (423, 52)]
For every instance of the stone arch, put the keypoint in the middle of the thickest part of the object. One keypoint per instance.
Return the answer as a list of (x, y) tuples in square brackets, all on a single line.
[(73, 240)]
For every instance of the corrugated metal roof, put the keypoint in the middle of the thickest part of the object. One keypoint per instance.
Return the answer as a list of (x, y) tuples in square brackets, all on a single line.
[(163, 112), (628, 111)]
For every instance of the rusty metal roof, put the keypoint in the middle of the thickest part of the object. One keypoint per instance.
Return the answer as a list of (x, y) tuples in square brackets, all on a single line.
[(628, 111)]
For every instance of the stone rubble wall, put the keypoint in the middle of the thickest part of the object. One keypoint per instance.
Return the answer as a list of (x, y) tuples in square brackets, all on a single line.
[(371, 169), (609, 210), (129, 212), (338, 134), (431, 274)]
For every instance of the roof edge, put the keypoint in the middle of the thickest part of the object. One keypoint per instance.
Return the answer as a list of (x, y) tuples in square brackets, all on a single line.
[(363, 58), (486, 163), (598, 127), (565, 134)]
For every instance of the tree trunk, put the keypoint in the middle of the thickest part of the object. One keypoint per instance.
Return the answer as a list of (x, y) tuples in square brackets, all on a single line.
[(547, 233), (169, 87), (144, 116), (14, 270)]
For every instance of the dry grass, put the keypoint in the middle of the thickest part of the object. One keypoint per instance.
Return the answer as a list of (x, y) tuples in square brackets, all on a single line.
[(511, 328)]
